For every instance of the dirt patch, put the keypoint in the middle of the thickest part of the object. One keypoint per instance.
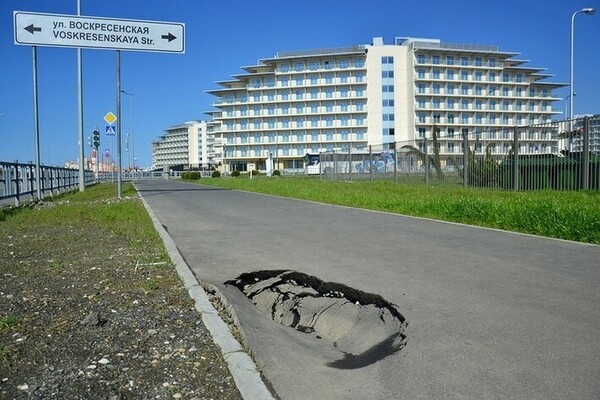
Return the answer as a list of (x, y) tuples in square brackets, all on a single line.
[(84, 314)]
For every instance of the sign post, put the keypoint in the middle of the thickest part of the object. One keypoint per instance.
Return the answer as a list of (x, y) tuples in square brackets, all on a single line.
[(58, 30)]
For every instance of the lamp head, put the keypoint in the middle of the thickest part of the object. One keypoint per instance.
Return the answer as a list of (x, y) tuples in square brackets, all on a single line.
[(589, 10)]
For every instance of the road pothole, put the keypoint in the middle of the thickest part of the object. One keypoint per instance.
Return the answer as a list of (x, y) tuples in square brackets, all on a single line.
[(363, 326)]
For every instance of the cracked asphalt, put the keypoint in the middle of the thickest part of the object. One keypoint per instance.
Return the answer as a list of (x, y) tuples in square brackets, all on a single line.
[(490, 314)]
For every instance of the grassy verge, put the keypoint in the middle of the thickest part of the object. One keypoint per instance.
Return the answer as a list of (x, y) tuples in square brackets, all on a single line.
[(564, 215)]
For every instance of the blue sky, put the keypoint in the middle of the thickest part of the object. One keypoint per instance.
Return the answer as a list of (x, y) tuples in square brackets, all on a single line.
[(222, 35)]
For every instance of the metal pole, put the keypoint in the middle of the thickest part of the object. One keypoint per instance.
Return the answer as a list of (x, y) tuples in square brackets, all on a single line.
[(585, 160), (426, 162), (80, 113), (119, 183), (465, 158), (36, 125), (516, 159)]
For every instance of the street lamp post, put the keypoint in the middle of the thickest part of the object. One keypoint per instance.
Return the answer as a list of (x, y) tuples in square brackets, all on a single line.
[(588, 11), (130, 140)]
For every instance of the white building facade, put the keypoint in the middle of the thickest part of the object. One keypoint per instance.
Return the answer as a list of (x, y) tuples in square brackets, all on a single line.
[(186, 146), (348, 99)]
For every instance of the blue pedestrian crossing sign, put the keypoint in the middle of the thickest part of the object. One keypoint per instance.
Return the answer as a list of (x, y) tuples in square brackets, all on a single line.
[(110, 130)]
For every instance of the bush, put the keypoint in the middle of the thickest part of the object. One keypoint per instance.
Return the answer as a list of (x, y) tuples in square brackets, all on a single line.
[(277, 173), (216, 174), (235, 173), (255, 173), (191, 175)]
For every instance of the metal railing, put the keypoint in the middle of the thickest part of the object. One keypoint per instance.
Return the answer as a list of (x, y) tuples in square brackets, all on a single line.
[(560, 155), (19, 182)]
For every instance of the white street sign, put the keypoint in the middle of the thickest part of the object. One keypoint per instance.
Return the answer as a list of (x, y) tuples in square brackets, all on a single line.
[(33, 29)]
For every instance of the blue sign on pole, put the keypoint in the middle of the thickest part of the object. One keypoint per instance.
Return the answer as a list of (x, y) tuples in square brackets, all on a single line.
[(110, 130)]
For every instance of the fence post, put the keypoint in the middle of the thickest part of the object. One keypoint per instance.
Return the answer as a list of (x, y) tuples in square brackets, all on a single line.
[(17, 186), (426, 161), (370, 162), (350, 163), (395, 162), (585, 160), (516, 159), (465, 146)]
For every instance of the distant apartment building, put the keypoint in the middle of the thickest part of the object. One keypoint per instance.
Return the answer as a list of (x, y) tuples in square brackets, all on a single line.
[(347, 99), (185, 146)]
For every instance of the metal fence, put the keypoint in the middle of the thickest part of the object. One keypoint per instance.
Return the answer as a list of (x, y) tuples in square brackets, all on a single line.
[(20, 182), (560, 155)]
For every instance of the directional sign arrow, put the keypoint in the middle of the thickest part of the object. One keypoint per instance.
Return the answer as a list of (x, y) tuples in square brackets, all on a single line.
[(31, 29), (170, 37)]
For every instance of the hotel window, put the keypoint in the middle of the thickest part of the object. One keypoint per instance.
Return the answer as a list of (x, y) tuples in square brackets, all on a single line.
[(450, 75), (329, 107), (387, 74), (421, 88), (478, 90), (492, 62), (360, 120), (271, 110), (450, 147), (244, 112), (328, 65), (464, 89), (285, 96), (450, 103), (329, 136), (344, 78), (465, 104), (450, 89), (344, 120), (505, 91), (285, 123), (313, 79), (492, 104), (284, 67), (435, 59), (464, 61), (285, 109), (478, 62), (256, 83), (299, 122), (387, 60), (450, 132), (314, 122), (436, 103), (422, 132), (359, 63), (360, 106), (531, 92), (387, 88), (345, 135), (478, 75), (421, 74), (271, 82), (421, 103), (329, 78), (299, 94), (450, 60), (271, 96), (436, 74), (450, 121), (314, 65), (519, 105), (519, 92), (465, 119), (492, 77), (360, 135), (299, 81), (478, 119), (344, 92), (285, 82), (328, 93), (299, 109), (388, 117), (344, 64), (344, 107), (436, 118), (314, 136), (256, 110), (314, 108), (256, 124), (299, 137), (436, 89), (271, 138), (505, 120), (518, 78), (299, 67), (314, 94), (505, 77), (329, 121), (492, 119), (464, 75), (478, 105), (421, 118), (360, 77), (271, 124)]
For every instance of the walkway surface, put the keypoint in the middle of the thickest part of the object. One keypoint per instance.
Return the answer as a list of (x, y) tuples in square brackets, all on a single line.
[(491, 314)]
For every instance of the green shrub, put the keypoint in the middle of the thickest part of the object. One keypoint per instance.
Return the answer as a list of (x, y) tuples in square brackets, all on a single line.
[(191, 175), (255, 173), (216, 174), (235, 173), (277, 173)]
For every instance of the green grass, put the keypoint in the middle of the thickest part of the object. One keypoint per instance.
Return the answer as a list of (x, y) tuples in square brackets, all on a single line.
[(8, 322), (565, 215)]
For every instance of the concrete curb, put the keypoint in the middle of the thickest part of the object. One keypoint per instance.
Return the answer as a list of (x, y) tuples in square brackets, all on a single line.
[(242, 368)]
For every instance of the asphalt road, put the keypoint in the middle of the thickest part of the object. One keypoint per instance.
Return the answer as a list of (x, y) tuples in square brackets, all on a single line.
[(491, 314)]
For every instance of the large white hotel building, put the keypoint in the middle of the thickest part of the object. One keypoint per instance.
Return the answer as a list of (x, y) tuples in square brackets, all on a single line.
[(374, 95)]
